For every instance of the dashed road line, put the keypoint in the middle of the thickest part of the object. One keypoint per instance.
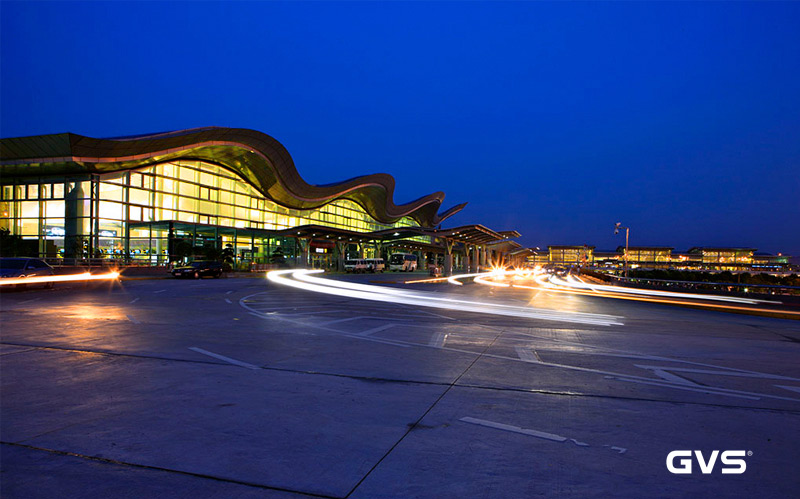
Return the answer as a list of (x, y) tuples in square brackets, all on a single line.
[(438, 339), (134, 300), (533, 433), (28, 301), (375, 330), (132, 319), (159, 291), (337, 321), (223, 358), (228, 301), (527, 355)]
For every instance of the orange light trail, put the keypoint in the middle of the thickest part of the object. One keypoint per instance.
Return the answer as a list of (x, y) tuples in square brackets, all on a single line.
[(86, 276)]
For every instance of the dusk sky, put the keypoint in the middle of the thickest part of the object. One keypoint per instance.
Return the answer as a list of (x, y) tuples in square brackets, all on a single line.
[(680, 120)]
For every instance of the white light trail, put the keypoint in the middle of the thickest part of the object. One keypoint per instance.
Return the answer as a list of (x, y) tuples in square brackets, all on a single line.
[(302, 279), (572, 282)]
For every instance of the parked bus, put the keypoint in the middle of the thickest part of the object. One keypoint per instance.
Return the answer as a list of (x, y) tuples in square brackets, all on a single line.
[(404, 262), (375, 265)]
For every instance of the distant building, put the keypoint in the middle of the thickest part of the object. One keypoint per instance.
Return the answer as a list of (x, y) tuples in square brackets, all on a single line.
[(570, 255), (660, 257)]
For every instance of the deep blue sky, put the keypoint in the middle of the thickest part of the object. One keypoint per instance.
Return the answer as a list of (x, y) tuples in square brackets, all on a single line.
[(681, 120)]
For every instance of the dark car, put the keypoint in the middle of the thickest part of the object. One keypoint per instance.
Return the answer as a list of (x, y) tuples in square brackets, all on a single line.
[(197, 270), (25, 268)]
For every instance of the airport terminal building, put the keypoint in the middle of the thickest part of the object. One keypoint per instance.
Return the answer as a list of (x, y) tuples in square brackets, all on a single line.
[(211, 193)]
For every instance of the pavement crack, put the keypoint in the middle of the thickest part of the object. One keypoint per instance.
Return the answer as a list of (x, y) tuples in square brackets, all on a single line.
[(415, 424), (167, 470)]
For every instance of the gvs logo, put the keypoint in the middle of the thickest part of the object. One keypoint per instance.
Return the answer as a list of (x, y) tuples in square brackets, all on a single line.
[(729, 459)]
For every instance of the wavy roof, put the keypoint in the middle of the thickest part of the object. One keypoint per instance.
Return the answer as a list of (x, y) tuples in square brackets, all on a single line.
[(256, 157)]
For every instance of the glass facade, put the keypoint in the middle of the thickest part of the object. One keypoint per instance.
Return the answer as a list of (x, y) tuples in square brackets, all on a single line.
[(159, 213)]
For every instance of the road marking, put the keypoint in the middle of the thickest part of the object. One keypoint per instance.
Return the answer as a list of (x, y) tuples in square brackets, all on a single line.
[(244, 302), (792, 388), (223, 358), (375, 330), (301, 314), (292, 308), (228, 301), (716, 391), (438, 339), (436, 315), (672, 378), (133, 320), (229, 292), (533, 433), (343, 320), (527, 355), (28, 301), (720, 372), (134, 300), (159, 291), (515, 429)]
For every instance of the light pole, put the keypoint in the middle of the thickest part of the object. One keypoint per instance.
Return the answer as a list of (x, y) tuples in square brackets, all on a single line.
[(617, 227)]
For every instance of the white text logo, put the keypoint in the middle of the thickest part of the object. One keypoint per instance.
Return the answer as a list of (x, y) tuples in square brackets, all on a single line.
[(729, 458)]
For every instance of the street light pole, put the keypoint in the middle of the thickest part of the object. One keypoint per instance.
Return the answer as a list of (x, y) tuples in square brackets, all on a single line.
[(617, 227)]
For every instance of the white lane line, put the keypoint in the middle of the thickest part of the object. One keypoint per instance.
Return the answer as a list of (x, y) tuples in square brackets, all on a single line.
[(228, 301), (229, 292), (302, 314), (291, 308), (515, 429), (134, 300), (438, 339), (683, 387), (790, 388), (533, 433), (132, 319), (672, 378), (343, 320), (223, 358), (527, 355), (28, 301), (375, 330), (436, 315), (394, 343), (159, 291), (719, 372)]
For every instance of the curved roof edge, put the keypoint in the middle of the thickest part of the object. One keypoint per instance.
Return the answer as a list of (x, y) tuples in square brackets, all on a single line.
[(258, 158)]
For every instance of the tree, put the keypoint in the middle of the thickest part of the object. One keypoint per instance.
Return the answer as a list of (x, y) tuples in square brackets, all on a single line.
[(13, 245)]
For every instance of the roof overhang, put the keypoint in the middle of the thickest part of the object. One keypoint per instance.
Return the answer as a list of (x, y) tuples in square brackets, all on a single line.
[(254, 156)]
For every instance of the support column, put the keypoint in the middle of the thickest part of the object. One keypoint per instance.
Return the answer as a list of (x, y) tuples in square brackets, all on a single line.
[(448, 257), (474, 260), (466, 259), (303, 251), (341, 248)]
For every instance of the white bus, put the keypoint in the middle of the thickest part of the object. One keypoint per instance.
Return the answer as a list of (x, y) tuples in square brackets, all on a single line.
[(404, 262)]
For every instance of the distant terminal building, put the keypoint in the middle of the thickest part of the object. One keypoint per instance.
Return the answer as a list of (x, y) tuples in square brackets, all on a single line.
[(659, 257), (212, 192), (570, 255)]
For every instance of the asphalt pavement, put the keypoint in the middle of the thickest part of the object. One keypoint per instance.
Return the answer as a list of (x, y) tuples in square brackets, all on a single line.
[(243, 388)]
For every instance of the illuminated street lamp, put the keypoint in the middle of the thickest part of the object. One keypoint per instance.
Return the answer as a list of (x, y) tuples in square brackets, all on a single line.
[(617, 227)]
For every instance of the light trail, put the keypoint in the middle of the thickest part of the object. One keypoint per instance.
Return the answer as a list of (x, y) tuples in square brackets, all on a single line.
[(575, 285), (572, 282), (86, 276), (303, 279)]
